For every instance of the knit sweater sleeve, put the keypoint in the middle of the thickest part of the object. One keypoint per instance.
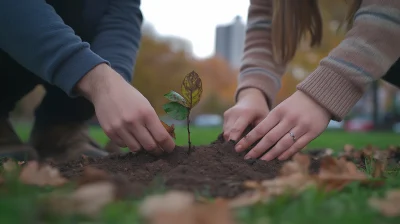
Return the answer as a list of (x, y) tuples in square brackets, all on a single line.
[(34, 35), (368, 51), (118, 36), (258, 69)]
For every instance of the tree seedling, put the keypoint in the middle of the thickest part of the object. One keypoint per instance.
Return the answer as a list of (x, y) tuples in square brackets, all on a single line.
[(181, 104)]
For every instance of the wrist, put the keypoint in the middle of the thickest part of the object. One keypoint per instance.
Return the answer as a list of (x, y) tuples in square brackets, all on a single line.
[(251, 92), (95, 81)]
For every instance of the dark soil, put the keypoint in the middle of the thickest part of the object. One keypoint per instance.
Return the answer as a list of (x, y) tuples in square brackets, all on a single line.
[(215, 170)]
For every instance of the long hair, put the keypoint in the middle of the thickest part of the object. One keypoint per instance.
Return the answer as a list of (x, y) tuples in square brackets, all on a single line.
[(293, 19)]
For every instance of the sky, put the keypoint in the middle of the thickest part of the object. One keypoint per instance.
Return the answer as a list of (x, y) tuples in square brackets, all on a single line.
[(193, 20)]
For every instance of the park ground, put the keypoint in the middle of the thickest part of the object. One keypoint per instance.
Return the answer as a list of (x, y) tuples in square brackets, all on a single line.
[(21, 203)]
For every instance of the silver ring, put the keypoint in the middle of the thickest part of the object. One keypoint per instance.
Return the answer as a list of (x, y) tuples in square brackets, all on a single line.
[(292, 135)]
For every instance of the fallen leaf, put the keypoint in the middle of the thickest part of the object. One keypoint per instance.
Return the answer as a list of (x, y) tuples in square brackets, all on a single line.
[(181, 207), (192, 89), (294, 178), (249, 198), (173, 201), (335, 174), (10, 165), (298, 164), (388, 206), (348, 148), (170, 129), (88, 199), (34, 174)]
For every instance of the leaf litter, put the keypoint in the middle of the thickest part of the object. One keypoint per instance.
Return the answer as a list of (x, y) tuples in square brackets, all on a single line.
[(96, 188)]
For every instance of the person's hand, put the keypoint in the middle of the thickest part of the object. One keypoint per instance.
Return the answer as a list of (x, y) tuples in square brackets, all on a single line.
[(250, 109), (125, 115), (299, 115)]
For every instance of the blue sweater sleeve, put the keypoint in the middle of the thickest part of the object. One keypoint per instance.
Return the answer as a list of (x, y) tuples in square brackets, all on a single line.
[(118, 36), (36, 37)]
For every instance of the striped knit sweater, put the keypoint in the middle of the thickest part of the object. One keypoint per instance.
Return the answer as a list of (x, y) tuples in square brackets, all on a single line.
[(369, 49)]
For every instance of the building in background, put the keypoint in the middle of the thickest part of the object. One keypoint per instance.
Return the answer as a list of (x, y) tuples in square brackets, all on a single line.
[(229, 41)]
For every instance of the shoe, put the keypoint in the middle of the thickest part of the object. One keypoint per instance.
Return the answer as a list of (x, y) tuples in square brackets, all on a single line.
[(64, 142), (11, 145)]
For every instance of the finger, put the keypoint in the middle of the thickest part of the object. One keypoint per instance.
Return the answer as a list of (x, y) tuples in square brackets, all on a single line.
[(228, 124), (129, 140), (238, 128), (115, 138), (118, 141), (298, 146), (284, 143), (146, 140), (270, 139), (161, 136), (258, 132)]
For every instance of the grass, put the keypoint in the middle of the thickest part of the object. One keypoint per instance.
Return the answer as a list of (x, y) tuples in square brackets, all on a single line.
[(22, 204)]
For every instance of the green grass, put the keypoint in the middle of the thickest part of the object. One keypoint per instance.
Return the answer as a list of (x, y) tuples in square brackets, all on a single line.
[(23, 204), (200, 136)]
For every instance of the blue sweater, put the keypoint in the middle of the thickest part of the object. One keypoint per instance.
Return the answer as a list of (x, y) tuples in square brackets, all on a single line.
[(37, 38)]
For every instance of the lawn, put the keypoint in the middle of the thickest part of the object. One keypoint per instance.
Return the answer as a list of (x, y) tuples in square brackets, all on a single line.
[(23, 204)]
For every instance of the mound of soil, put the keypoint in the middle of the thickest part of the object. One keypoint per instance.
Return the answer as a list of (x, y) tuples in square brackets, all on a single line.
[(214, 170)]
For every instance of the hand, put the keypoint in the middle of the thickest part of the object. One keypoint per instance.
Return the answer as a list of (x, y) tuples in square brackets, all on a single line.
[(298, 114), (125, 115), (250, 109)]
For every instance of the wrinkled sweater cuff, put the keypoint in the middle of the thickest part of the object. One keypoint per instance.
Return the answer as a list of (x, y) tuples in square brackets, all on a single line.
[(75, 68), (333, 91), (260, 82)]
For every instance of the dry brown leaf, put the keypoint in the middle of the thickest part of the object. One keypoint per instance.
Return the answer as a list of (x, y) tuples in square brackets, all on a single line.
[(294, 178), (34, 174), (379, 163), (335, 174), (180, 207), (348, 148), (10, 165), (388, 206), (249, 198), (170, 129), (89, 199), (299, 163)]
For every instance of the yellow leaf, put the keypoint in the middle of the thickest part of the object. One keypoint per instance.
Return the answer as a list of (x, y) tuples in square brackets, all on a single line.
[(191, 89)]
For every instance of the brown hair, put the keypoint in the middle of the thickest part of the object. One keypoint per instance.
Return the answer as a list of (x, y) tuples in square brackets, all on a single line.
[(293, 19)]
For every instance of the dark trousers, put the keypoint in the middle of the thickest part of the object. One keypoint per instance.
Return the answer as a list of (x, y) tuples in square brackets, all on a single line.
[(56, 106)]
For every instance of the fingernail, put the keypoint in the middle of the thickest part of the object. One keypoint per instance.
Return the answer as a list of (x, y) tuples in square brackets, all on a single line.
[(238, 148), (247, 157)]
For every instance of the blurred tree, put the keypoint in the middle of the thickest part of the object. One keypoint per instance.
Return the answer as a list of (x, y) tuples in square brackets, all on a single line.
[(159, 69), (219, 85), (307, 59)]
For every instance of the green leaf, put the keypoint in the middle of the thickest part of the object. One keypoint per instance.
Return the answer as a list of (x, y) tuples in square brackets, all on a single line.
[(175, 97), (191, 89), (176, 110)]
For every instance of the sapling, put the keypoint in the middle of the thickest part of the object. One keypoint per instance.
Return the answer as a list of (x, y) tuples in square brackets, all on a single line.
[(181, 104)]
